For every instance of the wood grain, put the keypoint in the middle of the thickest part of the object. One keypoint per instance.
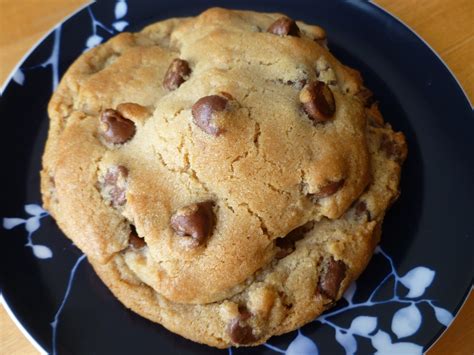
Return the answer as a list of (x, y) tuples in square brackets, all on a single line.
[(446, 25)]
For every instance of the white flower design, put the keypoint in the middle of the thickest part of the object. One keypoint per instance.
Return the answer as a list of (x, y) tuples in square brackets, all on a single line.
[(31, 225), (405, 322)]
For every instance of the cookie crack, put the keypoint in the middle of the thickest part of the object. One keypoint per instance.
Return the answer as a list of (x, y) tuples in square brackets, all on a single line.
[(263, 226), (256, 136), (276, 189), (269, 64), (248, 93), (164, 164), (187, 163), (257, 129), (170, 169), (254, 61), (192, 174), (237, 159), (187, 169), (175, 114)]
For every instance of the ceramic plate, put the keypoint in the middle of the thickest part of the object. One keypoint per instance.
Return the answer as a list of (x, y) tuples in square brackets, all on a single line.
[(416, 281)]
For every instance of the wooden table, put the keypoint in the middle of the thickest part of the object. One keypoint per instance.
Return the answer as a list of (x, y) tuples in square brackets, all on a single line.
[(447, 25)]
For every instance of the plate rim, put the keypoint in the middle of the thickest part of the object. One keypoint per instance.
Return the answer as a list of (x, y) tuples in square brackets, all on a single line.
[(382, 11), (402, 23), (467, 292), (17, 66)]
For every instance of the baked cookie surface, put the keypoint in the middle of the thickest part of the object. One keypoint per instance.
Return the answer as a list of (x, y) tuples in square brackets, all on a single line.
[(225, 175)]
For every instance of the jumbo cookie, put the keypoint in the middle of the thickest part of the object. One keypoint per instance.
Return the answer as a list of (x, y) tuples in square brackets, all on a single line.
[(225, 175)]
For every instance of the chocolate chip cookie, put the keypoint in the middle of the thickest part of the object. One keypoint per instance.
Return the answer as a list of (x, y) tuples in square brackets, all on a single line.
[(225, 175)]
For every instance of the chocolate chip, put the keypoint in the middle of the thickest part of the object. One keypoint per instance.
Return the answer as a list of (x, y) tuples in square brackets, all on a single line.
[(361, 209), (287, 243), (328, 190), (391, 149), (318, 101), (195, 221), (204, 111), (331, 278), (284, 26), (239, 331), (115, 185), (134, 240), (115, 128), (244, 313), (177, 73)]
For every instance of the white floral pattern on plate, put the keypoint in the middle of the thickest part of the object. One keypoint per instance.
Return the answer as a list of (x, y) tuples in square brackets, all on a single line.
[(31, 225), (37, 212), (406, 321)]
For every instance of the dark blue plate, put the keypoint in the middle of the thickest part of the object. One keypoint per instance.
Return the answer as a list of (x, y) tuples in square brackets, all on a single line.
[(415, 283)]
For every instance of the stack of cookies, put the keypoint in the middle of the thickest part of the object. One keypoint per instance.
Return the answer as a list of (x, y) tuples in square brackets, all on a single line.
[(225, 175)]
